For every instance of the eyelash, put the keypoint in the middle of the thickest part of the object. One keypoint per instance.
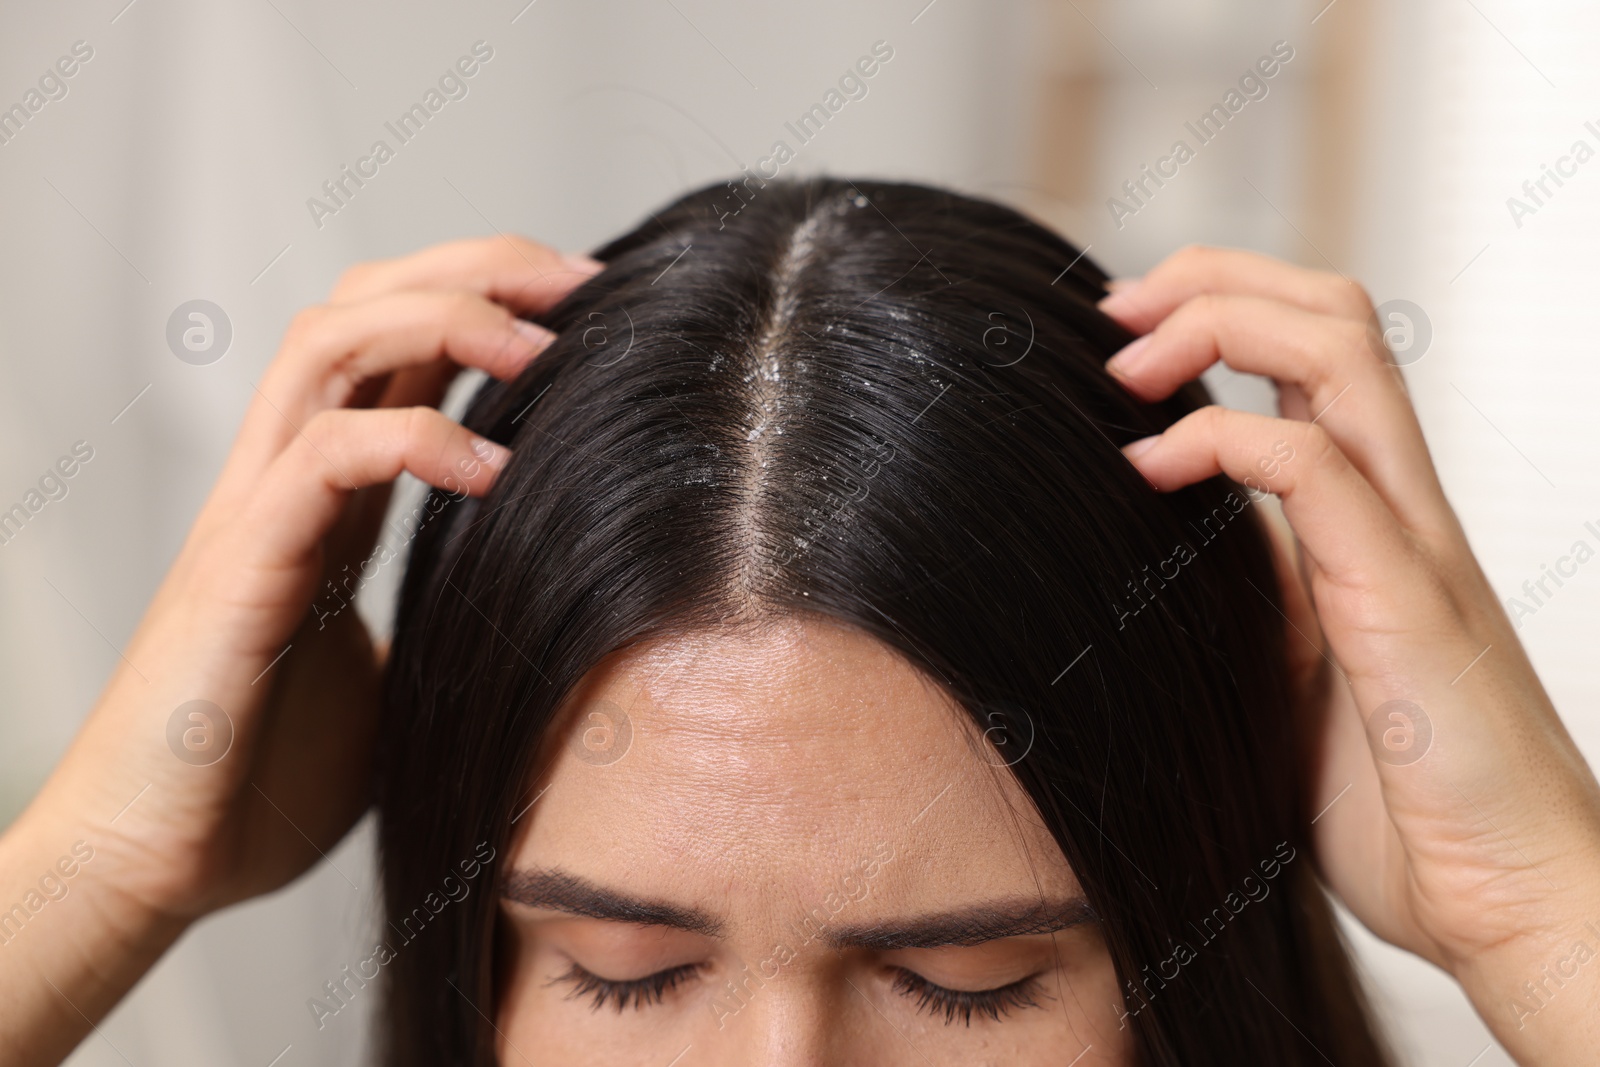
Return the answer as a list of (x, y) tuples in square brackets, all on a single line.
[(640, 992), (934, 999), (951, 1003)]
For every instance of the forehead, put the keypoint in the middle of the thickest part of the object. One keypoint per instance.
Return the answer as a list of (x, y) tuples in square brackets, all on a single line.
[(777, 755)]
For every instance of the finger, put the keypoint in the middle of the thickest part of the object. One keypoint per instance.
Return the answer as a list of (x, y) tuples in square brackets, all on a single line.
[(1359, 399), (304, 492), (521, 274), (1339, 519), (1304, 648), (352, 537), (425, 384), (356, 532), (331, 350), (1141, 303)]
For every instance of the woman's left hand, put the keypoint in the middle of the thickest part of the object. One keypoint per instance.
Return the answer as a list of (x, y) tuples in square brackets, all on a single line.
[(1458, 819)]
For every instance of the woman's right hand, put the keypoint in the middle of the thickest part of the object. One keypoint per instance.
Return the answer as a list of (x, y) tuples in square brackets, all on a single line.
[(180, 818)]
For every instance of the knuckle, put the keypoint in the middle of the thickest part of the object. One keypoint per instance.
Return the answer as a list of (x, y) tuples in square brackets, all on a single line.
[(463, 306), (1328, 356), (530, 253), (1209, 305), (1324, 351), (1352, 344), (355, 279), (474, 248), (305, 326), (1318, 445), (1355, 299), (1351, 336), (1189, 261), (323, 428), (415, 423), (1213, 419)]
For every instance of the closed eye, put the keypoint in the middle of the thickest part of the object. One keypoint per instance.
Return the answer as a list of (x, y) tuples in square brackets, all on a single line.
[(638, 992), (962, 1003)]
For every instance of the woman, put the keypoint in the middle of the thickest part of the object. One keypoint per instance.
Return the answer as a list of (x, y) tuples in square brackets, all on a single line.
[(825, 660)]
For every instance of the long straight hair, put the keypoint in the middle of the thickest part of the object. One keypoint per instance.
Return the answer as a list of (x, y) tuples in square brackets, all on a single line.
[(887, 405)]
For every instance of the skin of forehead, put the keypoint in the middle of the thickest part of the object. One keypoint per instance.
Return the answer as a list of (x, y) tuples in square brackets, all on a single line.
[(779, 759)]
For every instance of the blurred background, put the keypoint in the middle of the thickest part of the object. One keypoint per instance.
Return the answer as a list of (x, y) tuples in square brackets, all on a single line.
[(178, 160)]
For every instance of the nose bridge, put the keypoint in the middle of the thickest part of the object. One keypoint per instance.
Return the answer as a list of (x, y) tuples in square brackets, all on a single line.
[(779, 1017)]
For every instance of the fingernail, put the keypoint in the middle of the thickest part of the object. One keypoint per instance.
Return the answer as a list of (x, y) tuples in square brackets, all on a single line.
[(536, 337), (490, 454), (583, 264), (1120, 302), (1127, 361), (1135, 449)]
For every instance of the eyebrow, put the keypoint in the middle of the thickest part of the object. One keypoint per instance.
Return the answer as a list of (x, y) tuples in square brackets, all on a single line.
[(978, 924), (975, 925), (560, 891)]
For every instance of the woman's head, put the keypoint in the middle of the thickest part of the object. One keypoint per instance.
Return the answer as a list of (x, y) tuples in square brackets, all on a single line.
[(817, 635)]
